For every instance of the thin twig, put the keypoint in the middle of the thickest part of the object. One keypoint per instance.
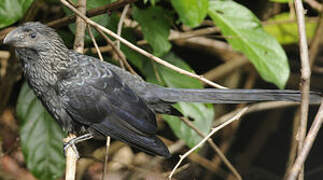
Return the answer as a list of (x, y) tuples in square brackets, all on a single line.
[(120, 24), (317, 123), (90, 13), (80, 28), (255, 108), (176, 35), (214, 130), (106, 158), (120, 54), (305, 75), (215, 148), (139, 50), (316, 40), (314, 4), (94, 42), (178, 170)]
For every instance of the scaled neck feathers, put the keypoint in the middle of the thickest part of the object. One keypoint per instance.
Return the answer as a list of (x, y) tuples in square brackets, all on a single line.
[(42, 66)]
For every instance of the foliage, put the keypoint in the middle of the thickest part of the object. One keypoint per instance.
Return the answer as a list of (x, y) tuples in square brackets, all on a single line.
[(12, 10), (286, 33), (245, 34), (42, 148), (41, 137)]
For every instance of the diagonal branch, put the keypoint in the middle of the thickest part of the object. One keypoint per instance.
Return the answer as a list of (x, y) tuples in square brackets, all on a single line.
[(215, 148), (317, 123), (92, 12), (214, 130), (139, 50)]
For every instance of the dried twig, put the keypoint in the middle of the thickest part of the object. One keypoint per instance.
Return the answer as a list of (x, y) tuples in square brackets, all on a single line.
[(305, 74), (90, 13), (314, 4), (176, 35), (122, 57), (80, 28), (139, 50), (317, 123), (316, 40), (94, 42), (255, 108), (215, 148), (182, 157), (122, 18), (106, 158)]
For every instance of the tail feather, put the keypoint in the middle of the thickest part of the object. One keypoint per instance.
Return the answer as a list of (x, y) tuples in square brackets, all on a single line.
[(233, 96)]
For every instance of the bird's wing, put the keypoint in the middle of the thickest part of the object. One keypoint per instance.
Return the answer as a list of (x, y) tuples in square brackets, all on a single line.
[(92, 93)]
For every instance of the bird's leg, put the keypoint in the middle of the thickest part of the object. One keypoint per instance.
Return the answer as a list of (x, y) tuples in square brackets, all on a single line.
[(76, 140)]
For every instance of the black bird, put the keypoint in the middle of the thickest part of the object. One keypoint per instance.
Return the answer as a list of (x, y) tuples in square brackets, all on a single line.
[(97, 99)]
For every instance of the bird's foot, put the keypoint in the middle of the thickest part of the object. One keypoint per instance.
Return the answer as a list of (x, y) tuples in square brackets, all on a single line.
[(71, 144)]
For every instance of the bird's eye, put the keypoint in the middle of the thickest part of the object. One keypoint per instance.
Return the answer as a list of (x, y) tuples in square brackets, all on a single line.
[(32, 35)]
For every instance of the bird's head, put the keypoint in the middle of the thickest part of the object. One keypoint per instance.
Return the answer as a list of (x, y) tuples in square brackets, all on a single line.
[(33, 35)]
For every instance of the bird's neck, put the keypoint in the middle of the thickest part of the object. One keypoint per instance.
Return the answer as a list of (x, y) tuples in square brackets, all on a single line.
[(41, 68)]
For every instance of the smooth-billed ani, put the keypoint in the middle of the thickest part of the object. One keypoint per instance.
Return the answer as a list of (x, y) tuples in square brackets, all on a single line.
[(96, 99)]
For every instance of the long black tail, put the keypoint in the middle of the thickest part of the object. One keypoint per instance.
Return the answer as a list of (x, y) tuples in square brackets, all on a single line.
[(233, 96)]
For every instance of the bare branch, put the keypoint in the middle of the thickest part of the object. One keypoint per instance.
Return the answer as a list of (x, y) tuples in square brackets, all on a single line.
[(80, 28), (182, 157), (305, 74), (317, 123), (141, 51), (122, 18), (94, 42), (106, 158), (215, 148)]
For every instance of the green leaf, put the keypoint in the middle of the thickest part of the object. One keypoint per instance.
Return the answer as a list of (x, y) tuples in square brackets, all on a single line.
[(191, 12), (202, 114), (41, 137), (134, 57), (286, 33), (244, 32), (155, 27), (12, 10), (108, 21)]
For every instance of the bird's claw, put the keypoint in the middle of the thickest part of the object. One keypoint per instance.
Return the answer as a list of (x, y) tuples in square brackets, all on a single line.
[(71, 144)]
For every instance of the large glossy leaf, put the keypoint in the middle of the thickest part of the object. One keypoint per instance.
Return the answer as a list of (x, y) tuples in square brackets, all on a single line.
[(155, 26), (12, 10), (191, 12), (244, 32), (286, 33), (106, 20), (40, 136)]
